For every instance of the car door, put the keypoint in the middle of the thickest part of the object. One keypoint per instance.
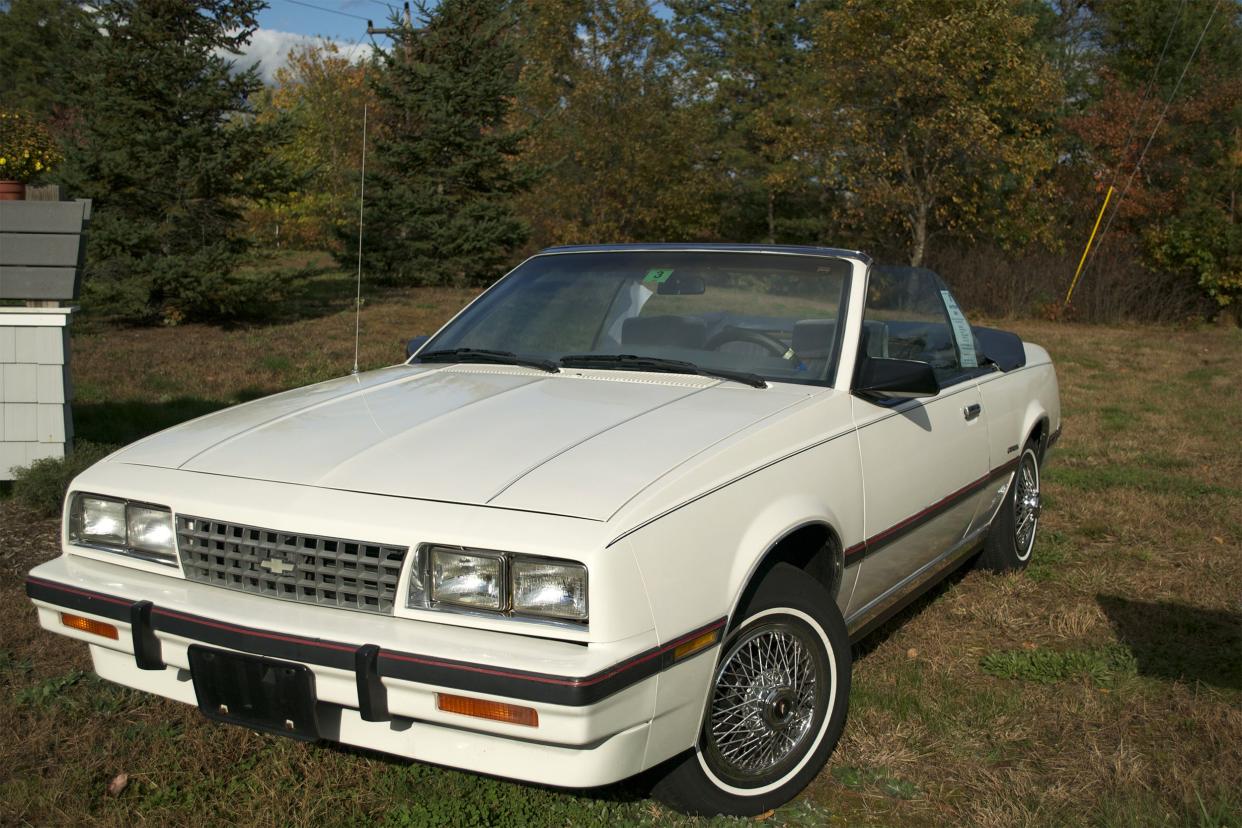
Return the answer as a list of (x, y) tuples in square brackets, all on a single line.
[(923, 459)]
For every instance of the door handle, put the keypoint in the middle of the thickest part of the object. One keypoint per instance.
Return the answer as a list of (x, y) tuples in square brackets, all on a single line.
[(972, 411)]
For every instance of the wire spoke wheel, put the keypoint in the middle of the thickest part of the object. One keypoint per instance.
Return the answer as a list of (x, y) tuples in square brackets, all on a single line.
[(1026, 504), (776, 701), (767, 698)]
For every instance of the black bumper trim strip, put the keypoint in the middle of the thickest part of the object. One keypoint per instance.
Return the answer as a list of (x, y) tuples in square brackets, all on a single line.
[(105, 606), (573, 691), (372, 697), (146, 645)]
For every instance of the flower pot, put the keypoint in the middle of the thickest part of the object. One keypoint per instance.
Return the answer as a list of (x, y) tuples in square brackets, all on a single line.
[(12, 191)]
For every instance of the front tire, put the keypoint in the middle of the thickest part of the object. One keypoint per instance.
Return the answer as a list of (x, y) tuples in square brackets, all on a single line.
[(1012, 536), (777, 705)]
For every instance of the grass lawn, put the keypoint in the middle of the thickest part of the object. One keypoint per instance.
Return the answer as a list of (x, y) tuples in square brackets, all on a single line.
[(1101, 687)]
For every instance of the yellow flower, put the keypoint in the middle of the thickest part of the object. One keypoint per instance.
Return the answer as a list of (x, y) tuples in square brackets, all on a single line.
[(3, 161)]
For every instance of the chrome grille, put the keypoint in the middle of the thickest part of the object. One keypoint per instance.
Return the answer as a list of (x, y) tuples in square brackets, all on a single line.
[(332, 572)]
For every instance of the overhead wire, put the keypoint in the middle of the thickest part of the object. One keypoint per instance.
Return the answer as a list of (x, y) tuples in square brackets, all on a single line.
[(326, 9), (1156, 128), (1151, 83)]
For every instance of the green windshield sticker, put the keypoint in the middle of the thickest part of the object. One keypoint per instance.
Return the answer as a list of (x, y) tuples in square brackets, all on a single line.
[(658, 275), (961, 331)]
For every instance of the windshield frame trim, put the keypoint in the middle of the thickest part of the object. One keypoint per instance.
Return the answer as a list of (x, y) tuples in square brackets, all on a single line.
[(844, 315), (708, 247)]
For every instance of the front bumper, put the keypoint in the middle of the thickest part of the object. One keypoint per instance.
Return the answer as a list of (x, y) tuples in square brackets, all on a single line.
[(606, 711)]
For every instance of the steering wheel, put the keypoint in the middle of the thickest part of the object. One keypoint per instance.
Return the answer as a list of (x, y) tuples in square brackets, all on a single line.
[(766, 341)]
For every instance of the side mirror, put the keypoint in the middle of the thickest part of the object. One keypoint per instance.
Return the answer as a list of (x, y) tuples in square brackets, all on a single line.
[(904, 379), (414, 344)]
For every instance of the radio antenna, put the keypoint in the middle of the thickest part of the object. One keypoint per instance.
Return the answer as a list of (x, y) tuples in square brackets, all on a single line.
[(362, 196)]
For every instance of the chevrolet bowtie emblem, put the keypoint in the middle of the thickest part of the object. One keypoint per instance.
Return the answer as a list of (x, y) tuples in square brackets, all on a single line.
[(276, 566)]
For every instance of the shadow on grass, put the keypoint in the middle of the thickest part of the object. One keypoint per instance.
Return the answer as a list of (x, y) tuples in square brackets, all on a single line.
[(1177, 641), (313, 292), (120, 423), (309, 294)]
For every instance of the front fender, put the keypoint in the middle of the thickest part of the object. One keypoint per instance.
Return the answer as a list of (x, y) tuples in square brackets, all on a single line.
[(697, 560)]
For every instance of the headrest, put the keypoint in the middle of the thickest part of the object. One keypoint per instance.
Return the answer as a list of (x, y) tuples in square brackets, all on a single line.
[(814, 338), (672, 331)]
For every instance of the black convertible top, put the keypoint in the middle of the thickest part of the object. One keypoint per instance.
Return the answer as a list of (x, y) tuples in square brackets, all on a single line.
[(1002, 347)]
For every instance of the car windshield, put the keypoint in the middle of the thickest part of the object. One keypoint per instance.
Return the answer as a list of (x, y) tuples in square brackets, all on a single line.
[(773, 316)]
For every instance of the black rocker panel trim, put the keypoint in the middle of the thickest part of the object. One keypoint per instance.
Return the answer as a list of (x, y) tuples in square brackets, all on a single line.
[(575, 691)]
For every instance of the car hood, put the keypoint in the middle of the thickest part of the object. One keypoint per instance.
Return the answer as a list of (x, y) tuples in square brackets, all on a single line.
[(577, 443)]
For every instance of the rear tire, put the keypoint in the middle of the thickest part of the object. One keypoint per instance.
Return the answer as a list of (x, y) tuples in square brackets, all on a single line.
[(777, 705), (1011, 538)]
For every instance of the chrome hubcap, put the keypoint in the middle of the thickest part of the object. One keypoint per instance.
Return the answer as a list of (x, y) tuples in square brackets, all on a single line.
[(1026, 505), (764, 699)]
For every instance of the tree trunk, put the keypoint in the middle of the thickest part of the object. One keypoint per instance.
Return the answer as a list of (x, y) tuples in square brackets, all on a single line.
[(771, 217), (922, 205), (919, 249)]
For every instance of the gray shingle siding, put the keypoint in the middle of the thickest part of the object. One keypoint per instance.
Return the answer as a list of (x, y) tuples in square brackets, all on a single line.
[(35, 393)]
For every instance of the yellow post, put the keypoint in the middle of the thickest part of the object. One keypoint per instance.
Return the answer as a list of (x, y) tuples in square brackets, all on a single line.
[(1087, 249)]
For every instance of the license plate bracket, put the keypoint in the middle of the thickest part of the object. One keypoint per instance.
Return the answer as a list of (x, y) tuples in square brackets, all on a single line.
[(255, 692)]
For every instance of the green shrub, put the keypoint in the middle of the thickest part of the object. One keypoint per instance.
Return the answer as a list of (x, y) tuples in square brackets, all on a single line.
[(43, 484)]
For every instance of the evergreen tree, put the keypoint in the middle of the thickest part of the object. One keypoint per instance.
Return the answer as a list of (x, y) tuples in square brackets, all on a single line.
[(621, 160), (41, 43), (440, 205), (746, 61), (166, 148)]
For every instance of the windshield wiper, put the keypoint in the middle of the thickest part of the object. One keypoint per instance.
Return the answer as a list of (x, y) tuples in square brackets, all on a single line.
[(630, 362), (482, 355)]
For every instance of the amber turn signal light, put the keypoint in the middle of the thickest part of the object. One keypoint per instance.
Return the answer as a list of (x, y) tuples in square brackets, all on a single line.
[(695, 644), (88, 625), (483, 709)]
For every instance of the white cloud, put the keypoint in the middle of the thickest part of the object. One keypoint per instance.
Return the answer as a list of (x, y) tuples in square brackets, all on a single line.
[(270, 48)]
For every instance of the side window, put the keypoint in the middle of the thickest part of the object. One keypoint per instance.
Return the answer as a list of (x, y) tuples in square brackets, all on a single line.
[(911, 315)]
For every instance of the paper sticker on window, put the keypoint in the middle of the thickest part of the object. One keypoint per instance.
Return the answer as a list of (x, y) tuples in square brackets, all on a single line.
[(961, 331), (658, 275)]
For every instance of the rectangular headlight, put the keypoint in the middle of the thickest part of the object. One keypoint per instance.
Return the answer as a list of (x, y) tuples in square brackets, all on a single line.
[(137, 529), (505, 583), (150, 530), (97, 520), (558, 590), (468, 579)]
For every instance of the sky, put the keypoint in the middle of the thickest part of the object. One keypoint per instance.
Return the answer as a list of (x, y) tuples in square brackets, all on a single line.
[(286, 24)]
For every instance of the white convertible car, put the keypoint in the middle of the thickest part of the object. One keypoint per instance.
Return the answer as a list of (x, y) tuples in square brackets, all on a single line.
[(626, 511)]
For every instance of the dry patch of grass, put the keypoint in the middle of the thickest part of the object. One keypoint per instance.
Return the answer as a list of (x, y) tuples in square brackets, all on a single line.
[(1104, 685), (1101, 687)]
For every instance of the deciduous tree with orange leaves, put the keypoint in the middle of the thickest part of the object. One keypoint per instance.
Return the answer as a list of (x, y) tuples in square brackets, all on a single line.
[(320, 92)]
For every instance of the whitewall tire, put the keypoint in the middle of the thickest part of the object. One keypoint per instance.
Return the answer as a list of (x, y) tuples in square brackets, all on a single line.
[(777, 704), (1011, 538)]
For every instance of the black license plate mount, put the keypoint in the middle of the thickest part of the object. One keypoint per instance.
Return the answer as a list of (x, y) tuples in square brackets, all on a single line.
[(255, 692)]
